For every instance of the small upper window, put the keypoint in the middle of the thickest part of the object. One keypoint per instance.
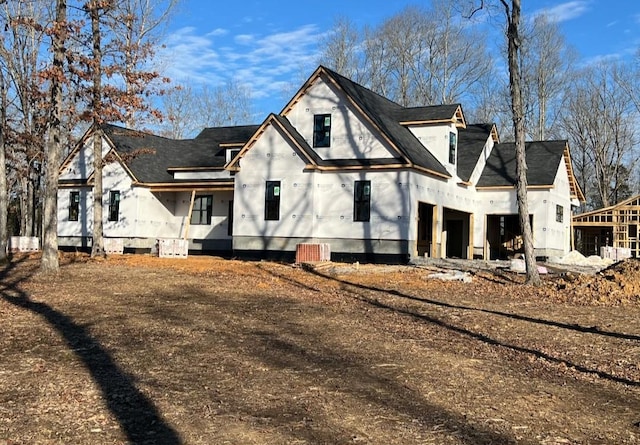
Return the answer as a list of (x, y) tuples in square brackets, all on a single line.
[(559, 213), (114, 205), (322, 130), (74, 206), (232, 153), (452, 147)]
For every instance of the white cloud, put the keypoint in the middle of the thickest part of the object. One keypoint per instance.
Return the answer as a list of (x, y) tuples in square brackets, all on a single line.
[(565, 11), (218, 32), (265, 63), (243, 39)]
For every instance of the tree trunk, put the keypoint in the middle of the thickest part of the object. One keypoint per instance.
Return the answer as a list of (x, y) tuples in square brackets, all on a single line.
[(4, 200), (4, 195), (49, 262), (517, 108), (97, 247), (29, 209)]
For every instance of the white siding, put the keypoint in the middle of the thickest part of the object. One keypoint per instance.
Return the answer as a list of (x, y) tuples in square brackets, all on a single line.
[(143, 214), (81, 165), (202, 175), (272, 159), (351, 136), (436, 139)]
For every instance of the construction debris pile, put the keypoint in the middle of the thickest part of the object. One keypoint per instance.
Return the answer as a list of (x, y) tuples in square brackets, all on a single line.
[(575, 258), (617, 284)]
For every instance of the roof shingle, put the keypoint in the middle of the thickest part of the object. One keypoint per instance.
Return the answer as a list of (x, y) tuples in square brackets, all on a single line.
[(543, 159)]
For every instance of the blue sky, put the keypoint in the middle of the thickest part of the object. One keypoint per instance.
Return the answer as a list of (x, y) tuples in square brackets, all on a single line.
[(272, 45)]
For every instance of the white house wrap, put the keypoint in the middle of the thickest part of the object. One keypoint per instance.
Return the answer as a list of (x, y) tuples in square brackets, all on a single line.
[(341, 166)]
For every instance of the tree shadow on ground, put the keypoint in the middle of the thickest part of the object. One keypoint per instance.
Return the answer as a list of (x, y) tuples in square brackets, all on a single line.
[(278, 335), (139, 419), (357, 378), (485, 338)]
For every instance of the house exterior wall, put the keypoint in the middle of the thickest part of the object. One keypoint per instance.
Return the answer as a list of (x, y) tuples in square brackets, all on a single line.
[(351, 136), (315, 206), (203, 175), (81, 165), (559, 232), (444, 194), (550, 237), (76, 229), (144, 216), (436, 139)]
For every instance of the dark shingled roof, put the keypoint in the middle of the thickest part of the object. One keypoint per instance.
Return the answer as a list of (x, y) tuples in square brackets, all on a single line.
[(226, 135), (384, 114), (471, 141), (543, 160), (158, 154), (433, 113)]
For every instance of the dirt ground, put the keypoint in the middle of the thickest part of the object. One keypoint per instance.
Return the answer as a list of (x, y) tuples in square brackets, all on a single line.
[(142, 350)]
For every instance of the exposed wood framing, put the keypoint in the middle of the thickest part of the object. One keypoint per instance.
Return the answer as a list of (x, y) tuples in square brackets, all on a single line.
[(616, 226), (188, 222)]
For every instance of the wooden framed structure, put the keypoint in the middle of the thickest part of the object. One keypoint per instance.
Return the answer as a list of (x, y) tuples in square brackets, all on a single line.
[(616, 226)]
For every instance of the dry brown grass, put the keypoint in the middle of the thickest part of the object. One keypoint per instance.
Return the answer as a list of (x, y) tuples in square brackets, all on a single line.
[(136, 349)]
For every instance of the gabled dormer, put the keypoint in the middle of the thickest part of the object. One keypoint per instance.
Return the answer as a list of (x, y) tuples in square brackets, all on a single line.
[(436, 127), (342, 120), (475, 143)]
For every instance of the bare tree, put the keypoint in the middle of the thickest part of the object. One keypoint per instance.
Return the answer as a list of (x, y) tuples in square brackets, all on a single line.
[(341, 49), (21, 46), (453, 61), (513, 17), (179, 109), (602, 125), (4, 195), (189, 110), (137, 27), (547, 66), (49, 261), (416, 57), (228, 104), (114, 84), (94, 9)]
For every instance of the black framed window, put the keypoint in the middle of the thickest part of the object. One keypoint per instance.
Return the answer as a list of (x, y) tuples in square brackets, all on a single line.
[(453, 142), (559, 213), (272, 201), (114, 205), (322, 130), (74, 206), (362, 201), (230, 219), (202, 210)]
